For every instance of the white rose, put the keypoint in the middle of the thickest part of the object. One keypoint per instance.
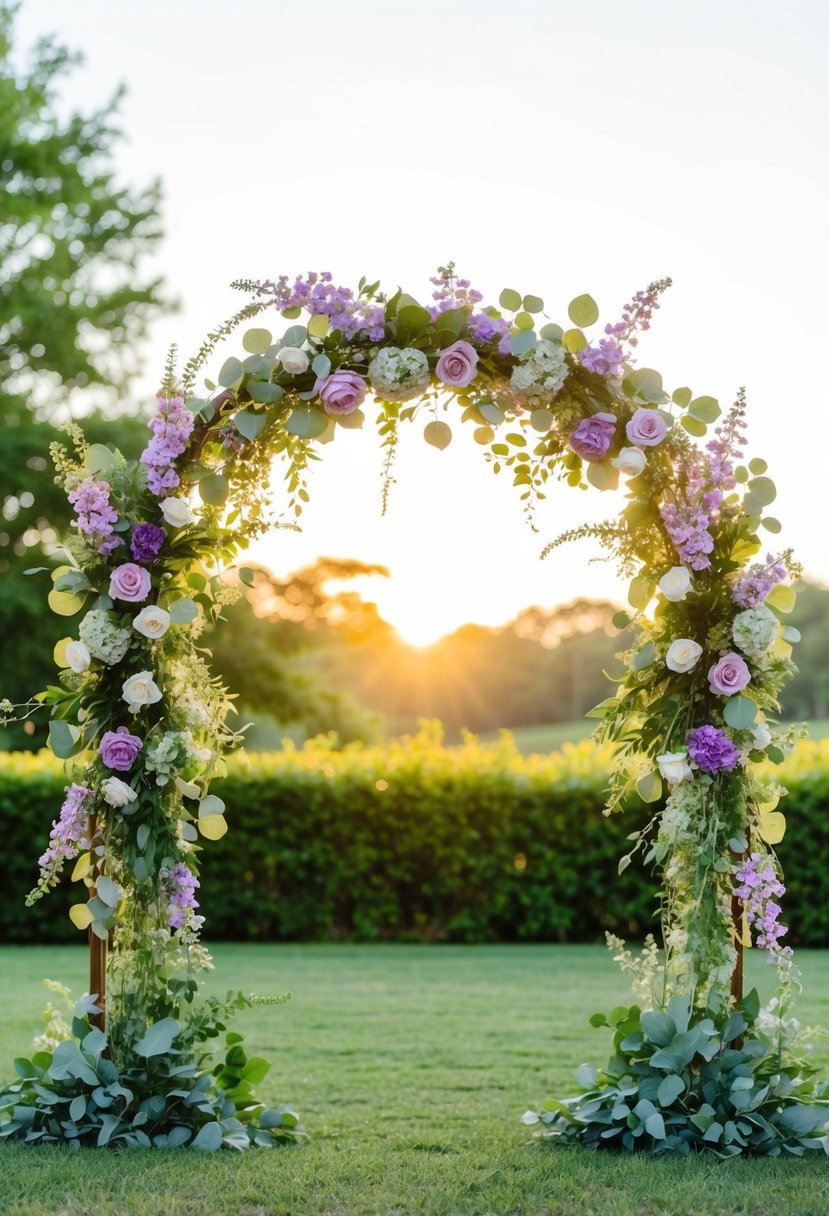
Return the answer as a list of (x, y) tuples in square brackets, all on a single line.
[(177, 512), (683, 654), (117, 792), (152, 622), (630, 461), (674, 767), (78, 656), (294, 361), (676, 584), (141, 689)]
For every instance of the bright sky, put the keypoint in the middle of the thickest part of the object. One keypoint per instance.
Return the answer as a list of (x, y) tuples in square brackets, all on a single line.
[(551, 147)]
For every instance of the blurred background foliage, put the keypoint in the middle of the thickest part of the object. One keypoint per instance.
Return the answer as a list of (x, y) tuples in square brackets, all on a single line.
[(416, 840)]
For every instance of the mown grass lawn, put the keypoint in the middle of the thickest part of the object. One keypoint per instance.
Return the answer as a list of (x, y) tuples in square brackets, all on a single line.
[(411, 1066)]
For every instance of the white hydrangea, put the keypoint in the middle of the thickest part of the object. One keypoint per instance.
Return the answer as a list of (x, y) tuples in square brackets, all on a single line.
[(398, 375), (167, 754), (754, 631), (103, 638), (541, 371), (192, 709)]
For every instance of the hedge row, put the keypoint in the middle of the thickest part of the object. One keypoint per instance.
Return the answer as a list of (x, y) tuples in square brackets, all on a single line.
[(415, 840)]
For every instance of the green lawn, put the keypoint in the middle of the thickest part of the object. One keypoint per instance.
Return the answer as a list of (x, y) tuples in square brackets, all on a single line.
[(411, 1066)]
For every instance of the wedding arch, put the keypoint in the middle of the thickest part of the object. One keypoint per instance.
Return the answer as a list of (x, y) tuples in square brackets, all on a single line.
[(143, 726)]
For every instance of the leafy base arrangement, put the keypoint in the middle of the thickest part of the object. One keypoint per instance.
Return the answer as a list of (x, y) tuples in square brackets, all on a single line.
[(681, 1083), (157, 1094)]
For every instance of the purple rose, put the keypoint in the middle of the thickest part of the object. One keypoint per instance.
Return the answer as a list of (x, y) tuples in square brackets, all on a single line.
[(711, 750), (646, 428), (147, 542), (593, 436), (119, 749), (129, 582), (342, 392), (458, 365), (729, 675)]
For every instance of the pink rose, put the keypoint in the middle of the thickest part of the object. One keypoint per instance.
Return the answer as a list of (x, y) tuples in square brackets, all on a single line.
[(119, 749), (646, 428), (130, 582), (593, 436), (729, 675), (458, 364), (342, 392)]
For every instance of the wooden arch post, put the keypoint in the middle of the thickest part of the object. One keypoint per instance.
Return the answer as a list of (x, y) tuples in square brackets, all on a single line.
[(97, 955)]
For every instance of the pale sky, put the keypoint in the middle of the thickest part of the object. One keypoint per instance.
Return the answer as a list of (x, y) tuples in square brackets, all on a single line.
[(551, 147)]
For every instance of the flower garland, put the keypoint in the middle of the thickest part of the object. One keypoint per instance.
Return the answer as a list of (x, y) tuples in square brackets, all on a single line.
[(151, 542)]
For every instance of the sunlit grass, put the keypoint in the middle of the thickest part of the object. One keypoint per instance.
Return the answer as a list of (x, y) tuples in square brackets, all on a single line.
[(410, 1066)]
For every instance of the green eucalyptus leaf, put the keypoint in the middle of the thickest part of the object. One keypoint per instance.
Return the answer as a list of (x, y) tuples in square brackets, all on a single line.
[(183, 611), (214, 489), (158, 1040), (510, 300), (705, 409), (250, 423), (231, 373), (740, 713), (574, 341), (583, 311), (533, 304), (438, 434), (257, 341), (264, 393)]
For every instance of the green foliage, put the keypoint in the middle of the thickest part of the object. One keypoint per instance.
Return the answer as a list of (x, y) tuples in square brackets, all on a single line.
[(418, 841), (680, 1083), (71, 238), (161, 1097)]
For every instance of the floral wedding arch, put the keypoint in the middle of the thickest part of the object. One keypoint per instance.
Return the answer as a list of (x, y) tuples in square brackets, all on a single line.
[(136, 711)]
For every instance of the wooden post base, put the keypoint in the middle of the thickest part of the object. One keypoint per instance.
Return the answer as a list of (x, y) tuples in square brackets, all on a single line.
[(97, 956)]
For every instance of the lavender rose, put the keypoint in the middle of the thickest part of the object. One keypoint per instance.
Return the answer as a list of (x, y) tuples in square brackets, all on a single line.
[(729, 675), (342, 392), (147, 542), (646, 428), (129, 582), (118, 749), (593, 436), (458, 365)]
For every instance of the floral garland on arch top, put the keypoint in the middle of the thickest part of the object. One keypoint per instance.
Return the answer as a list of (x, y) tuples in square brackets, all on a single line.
[(136, 705)]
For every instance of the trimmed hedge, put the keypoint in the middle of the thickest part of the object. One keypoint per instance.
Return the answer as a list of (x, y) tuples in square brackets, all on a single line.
[(415, 840)]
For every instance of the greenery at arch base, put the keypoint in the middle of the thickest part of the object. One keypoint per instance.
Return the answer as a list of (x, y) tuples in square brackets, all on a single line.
[(143, 725)]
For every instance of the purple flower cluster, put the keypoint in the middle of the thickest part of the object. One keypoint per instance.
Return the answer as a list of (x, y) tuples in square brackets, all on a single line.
[(171, 427), (483, 328), (231, 438), (606, 359), (759, 888), (147, 542), (688, 519), (753, 586), (451, 292), (178, 887), (725, 447), (95, 515), (637, 314), (317, 294), (711, 750), (68, 833)]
